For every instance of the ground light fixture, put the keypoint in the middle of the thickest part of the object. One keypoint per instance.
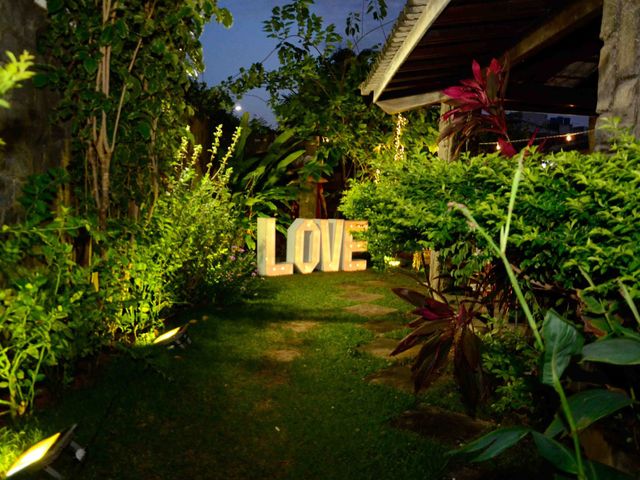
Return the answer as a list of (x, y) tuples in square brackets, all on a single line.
[(176, 337), (43, 454)]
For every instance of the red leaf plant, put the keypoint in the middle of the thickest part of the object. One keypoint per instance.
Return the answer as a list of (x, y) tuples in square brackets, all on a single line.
[(440, 329), (479, 107)]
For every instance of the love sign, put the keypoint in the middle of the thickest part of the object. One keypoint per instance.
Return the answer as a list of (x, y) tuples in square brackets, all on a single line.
[(327, 245)]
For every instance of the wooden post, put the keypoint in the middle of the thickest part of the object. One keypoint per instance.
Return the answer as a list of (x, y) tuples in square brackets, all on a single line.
[(445, 151), (619, 68)]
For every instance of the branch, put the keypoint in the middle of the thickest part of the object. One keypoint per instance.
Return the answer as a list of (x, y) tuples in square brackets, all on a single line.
[(124, 86)]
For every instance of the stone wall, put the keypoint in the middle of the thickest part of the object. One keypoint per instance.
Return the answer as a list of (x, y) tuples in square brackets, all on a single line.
[(619, 69), (33, 145)]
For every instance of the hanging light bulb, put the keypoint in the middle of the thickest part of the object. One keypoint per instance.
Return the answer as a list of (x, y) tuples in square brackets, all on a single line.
[(498, 147), (568, 137)]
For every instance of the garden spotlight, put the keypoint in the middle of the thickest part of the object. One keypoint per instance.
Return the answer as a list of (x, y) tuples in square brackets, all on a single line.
[(42, 455), (175, 337)]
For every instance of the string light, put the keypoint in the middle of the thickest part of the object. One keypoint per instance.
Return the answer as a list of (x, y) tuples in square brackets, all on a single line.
[(569, 137), (498, 147), (401, 122)]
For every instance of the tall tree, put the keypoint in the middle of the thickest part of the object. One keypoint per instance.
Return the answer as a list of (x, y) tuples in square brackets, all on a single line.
[(315, 89), (122, 69)]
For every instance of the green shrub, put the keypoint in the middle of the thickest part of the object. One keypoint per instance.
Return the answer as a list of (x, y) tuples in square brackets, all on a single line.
[(48, 318), (54, 310), (512, 363), (196, 230), (576, 212)]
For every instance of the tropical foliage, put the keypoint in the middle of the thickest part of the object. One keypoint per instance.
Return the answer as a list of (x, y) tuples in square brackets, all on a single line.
[(440, 329), (560, 342), (478, 107), (55, 309), (123, 69), (315, 89), (12, 73), (573, 217)]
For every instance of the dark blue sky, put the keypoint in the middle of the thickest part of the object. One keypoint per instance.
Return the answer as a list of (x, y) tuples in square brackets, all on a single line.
[(225, 51)]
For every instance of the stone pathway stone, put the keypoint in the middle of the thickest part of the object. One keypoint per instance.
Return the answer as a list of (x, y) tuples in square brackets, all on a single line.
[(377, 283), (273, 374), (450, 428), (361, 297), (284, 355), (370, 310), (299, 326), (396, 376), (381, 347), (380, 327)]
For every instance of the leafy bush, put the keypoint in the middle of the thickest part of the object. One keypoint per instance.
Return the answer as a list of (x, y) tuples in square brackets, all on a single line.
[(576, 213), (48, 317), (511, 362), (55, 310), (265, 184), (559, 340)]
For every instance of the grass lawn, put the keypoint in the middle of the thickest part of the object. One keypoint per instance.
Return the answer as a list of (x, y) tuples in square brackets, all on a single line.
[(270, 389)]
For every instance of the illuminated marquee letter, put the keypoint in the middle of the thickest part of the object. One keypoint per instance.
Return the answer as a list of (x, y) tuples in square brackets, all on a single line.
[(331, 244), (303, 245), (267, 265), (350, 246)]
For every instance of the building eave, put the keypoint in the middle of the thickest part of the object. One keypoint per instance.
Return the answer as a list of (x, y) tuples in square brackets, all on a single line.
[(414, 21)]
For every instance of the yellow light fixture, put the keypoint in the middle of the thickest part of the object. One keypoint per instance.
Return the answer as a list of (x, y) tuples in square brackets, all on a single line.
[(41, 455), (33, 455), (391, 261), (174, 337), (569, 137), (498, 147)]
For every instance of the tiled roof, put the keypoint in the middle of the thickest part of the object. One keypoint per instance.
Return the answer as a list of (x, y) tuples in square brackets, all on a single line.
[(403, 27)]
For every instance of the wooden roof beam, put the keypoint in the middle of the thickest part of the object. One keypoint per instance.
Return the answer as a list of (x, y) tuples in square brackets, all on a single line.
[(402, 104), (431, 12), (569, 19)]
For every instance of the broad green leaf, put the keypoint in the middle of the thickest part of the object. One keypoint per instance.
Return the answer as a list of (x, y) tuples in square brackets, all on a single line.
[(598, 471), (144, 129), (53, 6), (562, 341), (617, 351), (493, 444), (593, 305), (90, 65), (588, 407), (556, 453), (106, 37), (292, 157)]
